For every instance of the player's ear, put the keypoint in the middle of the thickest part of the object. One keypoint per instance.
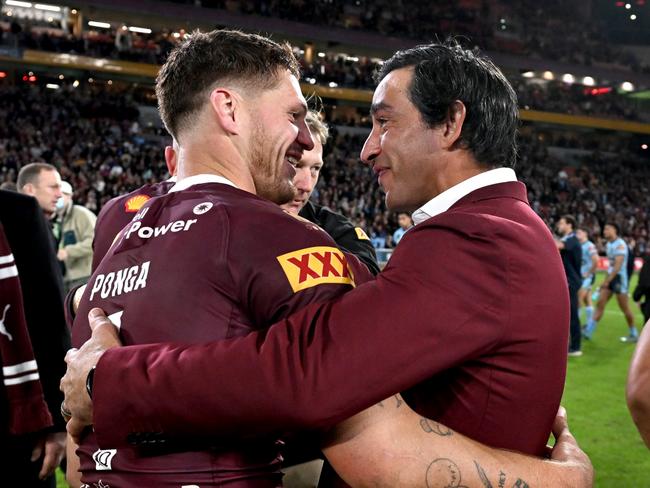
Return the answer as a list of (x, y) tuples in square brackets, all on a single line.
[(28, 189), (453, 124), (171, 158), (226, 106)]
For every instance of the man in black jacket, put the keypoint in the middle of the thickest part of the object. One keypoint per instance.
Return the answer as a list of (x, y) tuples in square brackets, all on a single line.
[(29, 238), (346, 235), (571, 253)]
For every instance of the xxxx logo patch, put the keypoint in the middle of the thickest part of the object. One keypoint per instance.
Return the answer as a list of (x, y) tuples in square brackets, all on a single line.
[(316, 266)]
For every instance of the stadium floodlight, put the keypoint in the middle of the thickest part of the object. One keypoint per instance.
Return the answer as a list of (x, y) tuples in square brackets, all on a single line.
[(52, 86), (644, 146), (102, 25), (627, 86), (333, 84), (321, 55), (49, 8), (633, 17), (548, 75), (75, 84), (588, 81), (528, 74), (568, 78), (628, 6), (140, 30), (15, 3)]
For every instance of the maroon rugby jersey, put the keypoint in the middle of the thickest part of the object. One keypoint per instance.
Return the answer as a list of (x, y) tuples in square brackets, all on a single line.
[(118, 212), (216, 262)]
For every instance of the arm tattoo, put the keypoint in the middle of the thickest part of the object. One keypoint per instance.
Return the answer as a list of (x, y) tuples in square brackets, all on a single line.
[(431, 427), (443, 473), (502, 479), (520, 484), (482, 475), (399, 401)]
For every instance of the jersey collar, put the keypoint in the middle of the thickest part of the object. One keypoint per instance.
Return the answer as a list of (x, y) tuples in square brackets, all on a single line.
[(185, 183)]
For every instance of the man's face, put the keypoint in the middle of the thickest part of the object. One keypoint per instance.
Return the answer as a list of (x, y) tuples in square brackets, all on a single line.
[(46, 189), (401, 148), (562, 227), (609, 232), (307, 173), (404, 221), (279, 138), (582, 236)]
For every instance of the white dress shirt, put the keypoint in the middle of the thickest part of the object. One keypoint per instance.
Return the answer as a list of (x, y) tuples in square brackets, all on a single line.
[(447, 198)]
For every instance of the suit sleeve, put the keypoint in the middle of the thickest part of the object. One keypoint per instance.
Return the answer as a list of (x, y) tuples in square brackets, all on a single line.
[(322, 364), (43, 296)]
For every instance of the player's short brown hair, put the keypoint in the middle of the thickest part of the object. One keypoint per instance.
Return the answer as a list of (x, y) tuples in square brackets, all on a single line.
[(220, 56), (30, 174), (317, 127)]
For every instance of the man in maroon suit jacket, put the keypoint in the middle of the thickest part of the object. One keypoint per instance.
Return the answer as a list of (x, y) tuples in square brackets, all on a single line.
[(468, 320)]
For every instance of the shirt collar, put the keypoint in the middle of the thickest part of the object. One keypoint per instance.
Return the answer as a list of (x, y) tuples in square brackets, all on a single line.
[(185, 183), (443, 202)]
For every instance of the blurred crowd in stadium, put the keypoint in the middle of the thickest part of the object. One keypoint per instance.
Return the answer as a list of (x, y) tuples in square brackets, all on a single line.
[(94, 137), (553, 30)]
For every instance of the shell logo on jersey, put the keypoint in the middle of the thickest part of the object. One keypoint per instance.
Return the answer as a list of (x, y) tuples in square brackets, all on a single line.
[(316, 266), (135, 203)]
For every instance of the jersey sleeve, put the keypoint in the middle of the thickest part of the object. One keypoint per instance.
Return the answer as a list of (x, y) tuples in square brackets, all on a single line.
[(620, 249), (592, 251)]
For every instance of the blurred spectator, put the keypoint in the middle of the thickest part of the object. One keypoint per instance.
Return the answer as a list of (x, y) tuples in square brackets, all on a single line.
[(405, 223), (75, 246), (32, 438), (43, 182)]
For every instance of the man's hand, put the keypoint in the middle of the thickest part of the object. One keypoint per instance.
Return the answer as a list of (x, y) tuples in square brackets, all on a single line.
[(80, 362), (567, 451), (62, 255), (52, 448)]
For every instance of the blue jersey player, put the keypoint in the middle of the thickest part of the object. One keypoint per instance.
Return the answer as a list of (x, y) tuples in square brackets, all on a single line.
[(588, 272), (617, 281)]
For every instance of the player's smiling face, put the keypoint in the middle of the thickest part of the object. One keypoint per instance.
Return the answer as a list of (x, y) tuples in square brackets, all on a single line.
[(401, 148), (279, 137)]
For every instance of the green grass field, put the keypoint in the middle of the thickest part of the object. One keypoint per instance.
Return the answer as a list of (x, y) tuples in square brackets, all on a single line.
[(594, 396)]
